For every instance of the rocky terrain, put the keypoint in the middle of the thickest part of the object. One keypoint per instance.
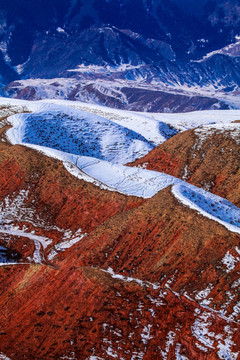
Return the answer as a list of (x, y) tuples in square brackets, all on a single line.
[(127, 96), (150, 271)]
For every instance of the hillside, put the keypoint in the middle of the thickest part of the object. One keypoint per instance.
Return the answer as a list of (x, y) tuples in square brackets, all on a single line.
[(207, 157), (100, 303), (100, 260)]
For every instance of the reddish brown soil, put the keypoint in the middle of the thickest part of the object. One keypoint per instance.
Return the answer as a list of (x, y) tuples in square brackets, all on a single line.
[(77, 309), (76, 312), (69, 202), (159, 240)]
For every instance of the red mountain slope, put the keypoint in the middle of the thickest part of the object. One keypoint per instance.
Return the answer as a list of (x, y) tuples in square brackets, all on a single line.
[(78, 310), (149, 280)]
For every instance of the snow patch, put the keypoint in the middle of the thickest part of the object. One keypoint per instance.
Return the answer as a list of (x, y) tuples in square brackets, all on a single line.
[(4, 357), (79, 133), (230, 261), (130, 279)]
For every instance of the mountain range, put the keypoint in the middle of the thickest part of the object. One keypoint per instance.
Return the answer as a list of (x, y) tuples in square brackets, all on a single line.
[(161, 43)]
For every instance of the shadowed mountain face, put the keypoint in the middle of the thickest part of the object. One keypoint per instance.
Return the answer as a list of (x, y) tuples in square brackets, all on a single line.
[(112, 32), (6, 73), (163, 45), (187, 27)]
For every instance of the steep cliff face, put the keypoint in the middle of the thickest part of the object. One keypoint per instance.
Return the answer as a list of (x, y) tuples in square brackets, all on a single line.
[(207, 157)]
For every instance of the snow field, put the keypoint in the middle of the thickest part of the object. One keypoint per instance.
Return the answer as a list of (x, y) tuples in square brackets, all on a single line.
[(108, 146)]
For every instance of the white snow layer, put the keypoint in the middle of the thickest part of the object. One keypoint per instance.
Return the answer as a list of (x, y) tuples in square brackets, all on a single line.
[(4, 357), (106, 140), (79, 133), (146, 124)]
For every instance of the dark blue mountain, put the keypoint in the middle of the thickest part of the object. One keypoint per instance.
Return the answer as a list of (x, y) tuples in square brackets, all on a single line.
[(52, 36)]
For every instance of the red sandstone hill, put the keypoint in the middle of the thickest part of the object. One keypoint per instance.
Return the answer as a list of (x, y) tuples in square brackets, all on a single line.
[(162, 240), (169, 259), (207, 157), (150, 280)]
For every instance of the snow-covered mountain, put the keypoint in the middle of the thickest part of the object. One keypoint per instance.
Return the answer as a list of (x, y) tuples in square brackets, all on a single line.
[(175, 43), (191, 30)]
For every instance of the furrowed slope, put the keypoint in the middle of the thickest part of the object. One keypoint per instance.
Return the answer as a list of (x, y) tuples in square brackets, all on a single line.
[(150, 283), (159, 240), (114, 276), (207, 157), (85, 313)]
